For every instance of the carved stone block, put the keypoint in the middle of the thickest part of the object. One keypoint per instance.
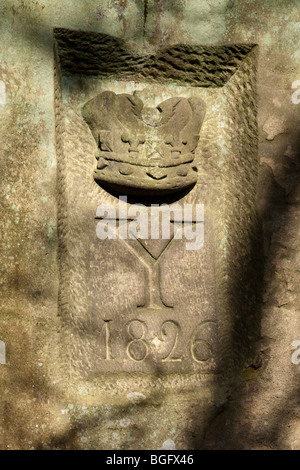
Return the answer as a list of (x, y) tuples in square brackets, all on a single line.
[(152, 312)]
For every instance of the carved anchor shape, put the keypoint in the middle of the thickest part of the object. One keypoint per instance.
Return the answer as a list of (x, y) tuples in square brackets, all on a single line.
[(150, 260), (153, 298)]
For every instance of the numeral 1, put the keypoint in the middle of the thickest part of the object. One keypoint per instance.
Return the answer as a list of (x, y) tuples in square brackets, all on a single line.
[(107, 334)]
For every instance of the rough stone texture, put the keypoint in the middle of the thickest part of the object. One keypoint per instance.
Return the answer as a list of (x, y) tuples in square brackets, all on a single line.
[(255, 403)]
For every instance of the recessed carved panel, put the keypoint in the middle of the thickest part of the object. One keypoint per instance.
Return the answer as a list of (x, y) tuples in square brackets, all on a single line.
[(152, 308)]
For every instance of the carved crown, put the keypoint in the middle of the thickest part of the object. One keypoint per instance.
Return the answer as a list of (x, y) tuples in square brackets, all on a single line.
[(144, 150)]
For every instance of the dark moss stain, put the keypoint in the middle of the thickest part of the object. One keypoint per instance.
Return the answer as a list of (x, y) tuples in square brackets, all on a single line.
[(145, 17), (120, 7)]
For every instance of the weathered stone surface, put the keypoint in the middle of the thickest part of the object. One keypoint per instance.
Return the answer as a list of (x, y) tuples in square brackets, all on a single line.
[(74, 375)]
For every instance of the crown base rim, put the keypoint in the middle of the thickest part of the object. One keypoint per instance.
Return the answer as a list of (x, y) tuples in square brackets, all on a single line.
[(144, 184)]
